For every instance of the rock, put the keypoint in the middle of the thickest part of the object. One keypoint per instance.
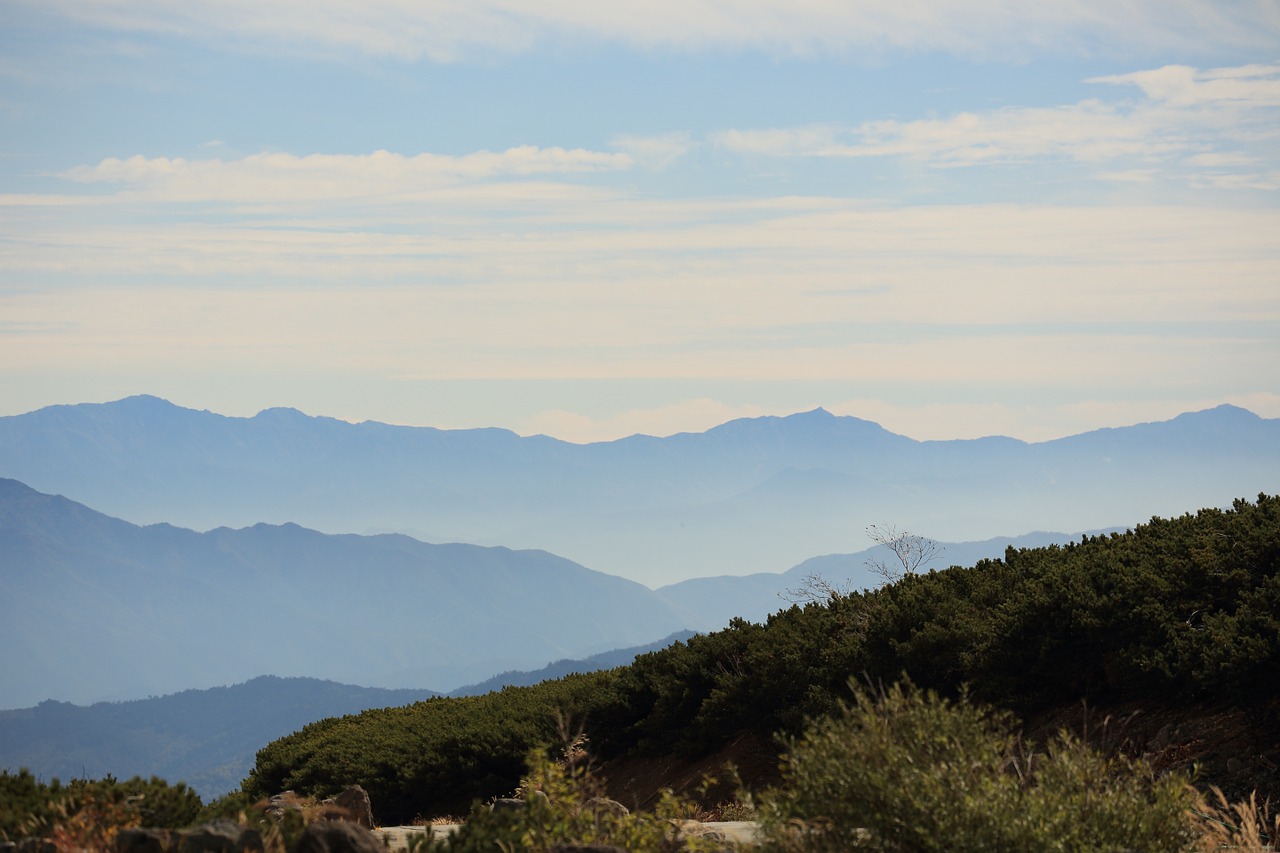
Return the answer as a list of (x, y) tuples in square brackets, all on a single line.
[(697, 829), (506, 804), (604, 805), (338, 836), (285, 801), (513, 804), (354, 803), (219, 836), (146, 840)]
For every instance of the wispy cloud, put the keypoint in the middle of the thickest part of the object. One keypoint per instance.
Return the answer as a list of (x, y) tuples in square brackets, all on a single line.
[(449, 30), (280, 177), (1090, 131), (655, 152), (1223, 118), (1182, 85)]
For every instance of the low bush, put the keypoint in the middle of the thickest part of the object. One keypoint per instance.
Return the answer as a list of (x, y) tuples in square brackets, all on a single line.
[(89, 812), (903, 769), (563, 805)]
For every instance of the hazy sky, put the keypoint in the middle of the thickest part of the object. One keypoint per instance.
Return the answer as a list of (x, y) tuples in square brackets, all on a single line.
[(590, 218)]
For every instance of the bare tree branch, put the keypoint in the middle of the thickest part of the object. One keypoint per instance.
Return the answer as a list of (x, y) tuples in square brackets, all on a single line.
[(912, 552), (815, 589)]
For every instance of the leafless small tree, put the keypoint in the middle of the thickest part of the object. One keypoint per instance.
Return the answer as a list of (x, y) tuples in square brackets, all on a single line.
[(912, 552), (849, 609), (815, 589)]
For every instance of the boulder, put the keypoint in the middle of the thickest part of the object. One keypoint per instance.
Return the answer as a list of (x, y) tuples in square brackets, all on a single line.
[(140, 840), (506, 804), (354, 805), (514, 804), (604, 805), (219, 836), (338, 836), (285, 801)]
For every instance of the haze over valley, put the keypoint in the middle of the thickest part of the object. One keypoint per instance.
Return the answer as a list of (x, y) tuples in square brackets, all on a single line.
[(749, 496)]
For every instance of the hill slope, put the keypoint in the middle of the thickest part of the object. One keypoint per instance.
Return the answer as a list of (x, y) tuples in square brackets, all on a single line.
[(96, 608), (206, 738), (708, 604), (1178, 620), (561, 668), (753, 495)]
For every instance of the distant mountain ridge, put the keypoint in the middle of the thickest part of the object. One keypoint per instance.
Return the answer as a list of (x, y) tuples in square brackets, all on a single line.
[(751, 495), (561, 668), (206, 738), (708, 604), (92, 607)]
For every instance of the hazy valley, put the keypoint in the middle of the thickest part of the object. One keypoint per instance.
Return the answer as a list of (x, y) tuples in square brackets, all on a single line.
[(755, 495)]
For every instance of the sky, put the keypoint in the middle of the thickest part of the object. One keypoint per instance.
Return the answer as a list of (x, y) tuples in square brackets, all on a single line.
[(589, 218)]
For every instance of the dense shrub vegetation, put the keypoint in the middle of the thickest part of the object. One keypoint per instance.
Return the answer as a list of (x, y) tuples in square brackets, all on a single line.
[(30, 807), (1175, 610), (442, 753), (905, 770)]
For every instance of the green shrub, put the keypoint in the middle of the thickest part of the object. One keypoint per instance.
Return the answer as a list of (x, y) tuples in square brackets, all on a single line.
[(32, 808), (905, 770), (1175, 611)]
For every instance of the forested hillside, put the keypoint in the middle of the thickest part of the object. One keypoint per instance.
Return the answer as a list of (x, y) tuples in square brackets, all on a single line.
[(1178, 613)]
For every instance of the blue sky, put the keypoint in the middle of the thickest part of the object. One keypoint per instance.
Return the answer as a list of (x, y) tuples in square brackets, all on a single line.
[(590, 219)]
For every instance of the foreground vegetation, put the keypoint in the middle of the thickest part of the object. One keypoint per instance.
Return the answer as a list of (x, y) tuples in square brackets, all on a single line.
[(897, 769), (84, 813), (1177, 611)]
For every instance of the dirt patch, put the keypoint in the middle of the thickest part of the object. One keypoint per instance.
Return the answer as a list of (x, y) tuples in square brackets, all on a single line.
[(1236, 748), (637, 782)]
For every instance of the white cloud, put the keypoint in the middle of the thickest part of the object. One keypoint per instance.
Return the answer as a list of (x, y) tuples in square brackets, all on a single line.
[(1181, 85), (655, 152), (1089, 131), (274, 176), (447, 30), (1224, 117)]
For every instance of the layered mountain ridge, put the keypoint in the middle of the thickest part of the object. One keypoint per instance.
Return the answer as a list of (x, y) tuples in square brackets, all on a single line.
[(752, 495), (97, 608)]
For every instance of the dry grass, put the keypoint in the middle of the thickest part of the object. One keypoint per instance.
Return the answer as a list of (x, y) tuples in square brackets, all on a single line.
[(1247, 826)]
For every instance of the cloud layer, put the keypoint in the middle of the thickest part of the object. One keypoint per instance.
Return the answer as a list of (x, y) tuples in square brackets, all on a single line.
[(966, 210), (1190, 120), (449, 30)]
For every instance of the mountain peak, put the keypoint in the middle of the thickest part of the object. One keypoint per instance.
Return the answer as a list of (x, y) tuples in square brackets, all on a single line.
[(281, 413), (1222, 413)]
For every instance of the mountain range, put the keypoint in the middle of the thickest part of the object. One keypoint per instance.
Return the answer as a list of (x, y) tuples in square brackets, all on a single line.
[(206, 738), (752, 495), (95, 608)]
